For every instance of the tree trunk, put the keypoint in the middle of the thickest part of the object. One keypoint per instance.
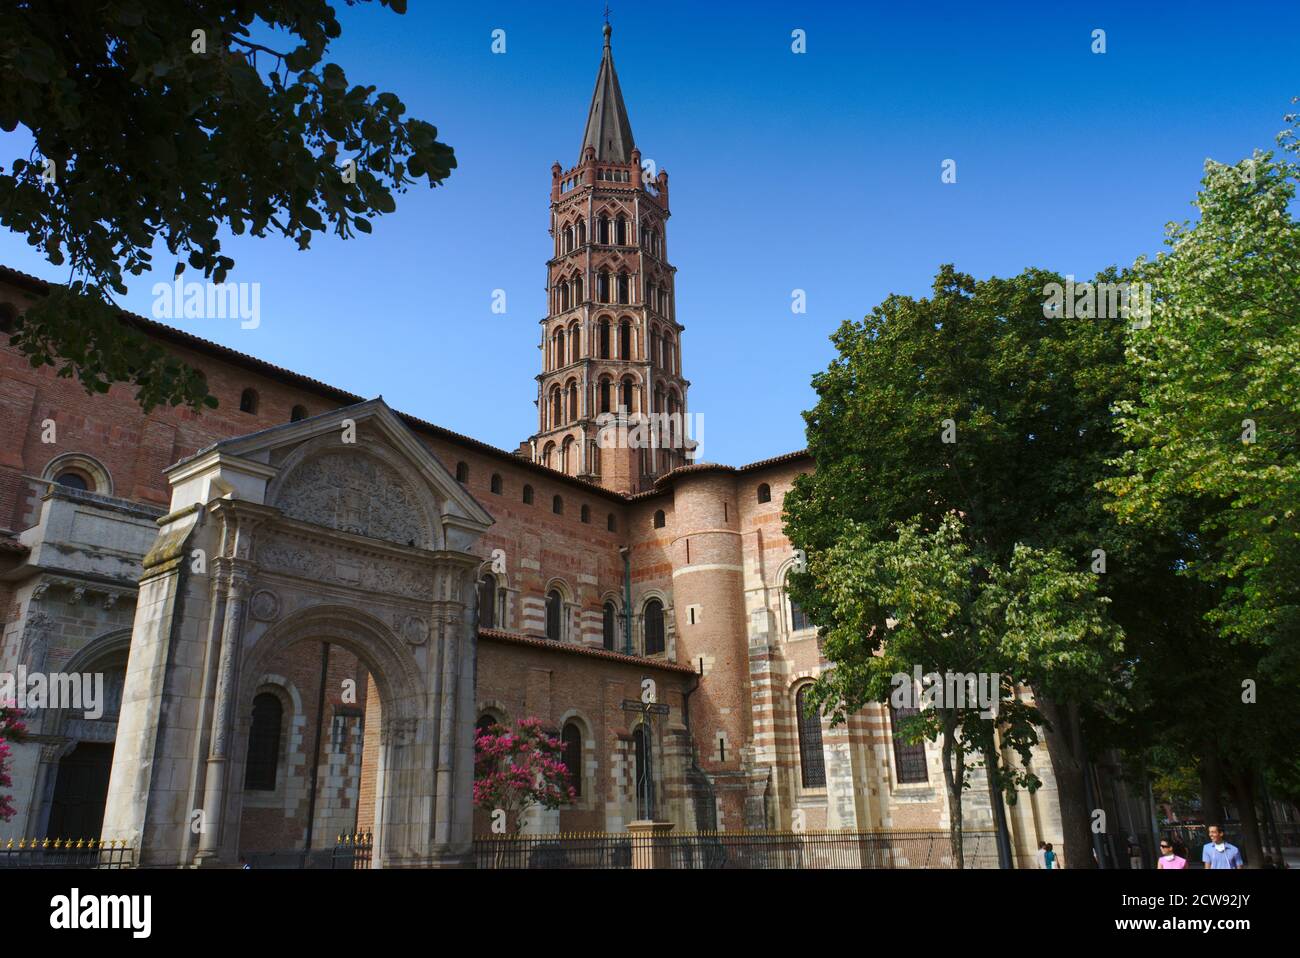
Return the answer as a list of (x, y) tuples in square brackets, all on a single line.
[(1243, 790), (954, 780), (1211, 775), (1006, 857), (1067, 767)]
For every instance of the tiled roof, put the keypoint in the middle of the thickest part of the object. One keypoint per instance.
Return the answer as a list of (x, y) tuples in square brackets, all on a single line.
[(568, 648), (172, 334)]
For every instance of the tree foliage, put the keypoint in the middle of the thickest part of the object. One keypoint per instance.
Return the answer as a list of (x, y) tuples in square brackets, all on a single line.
[(164, 121)]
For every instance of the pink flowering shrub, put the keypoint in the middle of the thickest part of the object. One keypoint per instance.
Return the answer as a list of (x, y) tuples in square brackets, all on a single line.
[(515, 770), (12, 729)]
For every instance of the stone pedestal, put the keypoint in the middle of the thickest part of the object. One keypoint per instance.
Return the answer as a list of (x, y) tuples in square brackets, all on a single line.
[(648, 851)]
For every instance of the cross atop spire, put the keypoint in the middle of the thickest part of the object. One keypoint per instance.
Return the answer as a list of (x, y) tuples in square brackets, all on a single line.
[(608, 132)]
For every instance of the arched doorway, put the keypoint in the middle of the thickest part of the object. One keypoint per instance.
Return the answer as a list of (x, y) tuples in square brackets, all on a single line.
[(76, 770)]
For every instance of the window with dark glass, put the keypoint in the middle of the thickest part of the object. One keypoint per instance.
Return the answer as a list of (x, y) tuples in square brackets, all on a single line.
[(572, 738), (554, 607), (654, 627), (264, 743), (72, 480), (812, 764), (496, 483), (298, 413), (764, 492), (659, 519), (462, 473), (609, 627), (248, 401), (528, 495), (798, 618), (487, 602), (909, 760)]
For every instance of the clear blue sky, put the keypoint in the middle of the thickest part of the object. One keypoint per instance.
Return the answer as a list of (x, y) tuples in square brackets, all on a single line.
[(818, 171)]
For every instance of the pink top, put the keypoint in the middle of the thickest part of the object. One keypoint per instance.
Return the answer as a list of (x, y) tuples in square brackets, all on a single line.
[(1171, 861)]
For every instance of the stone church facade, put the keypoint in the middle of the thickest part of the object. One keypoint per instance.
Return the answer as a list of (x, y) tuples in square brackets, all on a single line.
[(303, 603)]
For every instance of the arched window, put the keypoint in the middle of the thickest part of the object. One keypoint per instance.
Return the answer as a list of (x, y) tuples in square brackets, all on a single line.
[(620, 231), (609, 626), (582, 232), (568, 239), (548, 453), (264, 743), (563, 295), (298, 413), (602, 230), (248, 401), (70, 479), (655, 346), (604, 395), (496, 483), (572, 738), (585, 515), (654, 627), (624, 295), (611, 523), (909, 760), (812, 764), (487, 602), (486, 722), (554, 609), (627, 395), (575, 344), (557, 505), (558, 353), (462, 473), (602, 286), (528, 495), (659, 519), (625, 340), (604, 339), (577, 291), (764, 492), (557, 409), (573, 401)]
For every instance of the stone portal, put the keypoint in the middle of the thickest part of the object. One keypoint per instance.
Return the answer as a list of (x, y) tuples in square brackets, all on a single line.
[(342, 529)]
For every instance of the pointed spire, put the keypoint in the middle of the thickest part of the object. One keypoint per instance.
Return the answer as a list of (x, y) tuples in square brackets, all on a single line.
[(608, 131)]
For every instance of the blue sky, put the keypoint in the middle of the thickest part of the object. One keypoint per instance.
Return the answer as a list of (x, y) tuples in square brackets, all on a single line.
[(818, 171)]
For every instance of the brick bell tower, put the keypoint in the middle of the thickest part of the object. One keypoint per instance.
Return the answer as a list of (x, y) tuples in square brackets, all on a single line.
[(611, 399)]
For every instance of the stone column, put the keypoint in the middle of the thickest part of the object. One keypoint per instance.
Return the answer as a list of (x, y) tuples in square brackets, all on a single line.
[(446, 729), (649, 850), (214, 793)]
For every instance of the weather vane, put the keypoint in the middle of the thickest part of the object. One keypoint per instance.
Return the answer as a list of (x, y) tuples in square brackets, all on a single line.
[(607, 14)]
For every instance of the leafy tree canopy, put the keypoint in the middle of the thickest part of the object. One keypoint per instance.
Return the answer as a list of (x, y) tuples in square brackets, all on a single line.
[(164, 121)]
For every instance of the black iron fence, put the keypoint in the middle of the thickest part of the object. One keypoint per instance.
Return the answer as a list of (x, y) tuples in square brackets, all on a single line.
[(895, 848), (349, 852), (66, 853)]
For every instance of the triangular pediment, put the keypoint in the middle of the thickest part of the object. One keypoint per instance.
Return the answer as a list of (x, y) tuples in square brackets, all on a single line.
[(358, 470)]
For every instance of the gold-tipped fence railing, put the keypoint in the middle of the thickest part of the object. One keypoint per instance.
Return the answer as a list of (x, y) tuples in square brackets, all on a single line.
[(66, 853), (885, 848)]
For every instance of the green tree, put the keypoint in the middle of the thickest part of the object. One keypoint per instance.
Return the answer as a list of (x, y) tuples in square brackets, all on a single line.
[(1025, 398), (1212, 465), (165, 121), (928, 600)]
